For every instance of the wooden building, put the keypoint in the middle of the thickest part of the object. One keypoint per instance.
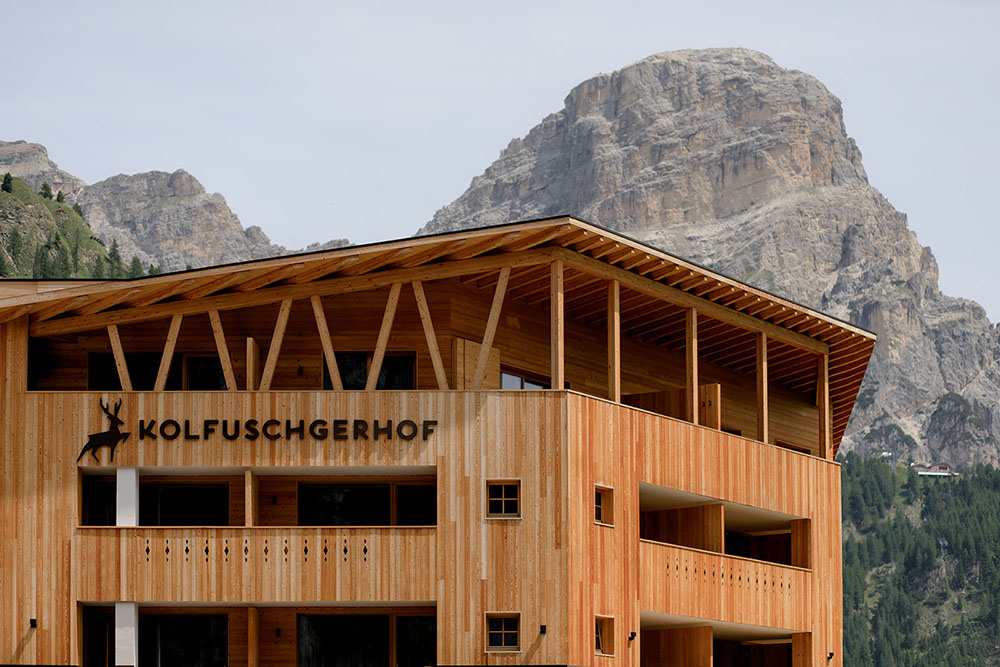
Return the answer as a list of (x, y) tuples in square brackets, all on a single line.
[(539, 443)]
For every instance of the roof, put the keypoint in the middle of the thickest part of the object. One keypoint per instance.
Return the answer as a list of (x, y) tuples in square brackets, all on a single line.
[(657, 288)]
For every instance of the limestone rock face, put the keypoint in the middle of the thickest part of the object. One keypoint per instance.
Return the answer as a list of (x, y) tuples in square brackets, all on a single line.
[(169, 220), (723, 157), (163, 219), (31, 162)]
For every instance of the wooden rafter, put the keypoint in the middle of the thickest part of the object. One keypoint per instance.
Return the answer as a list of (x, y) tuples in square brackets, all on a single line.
[(557, 334), (491, 328), (432, 344), (691, 365), (614, 342), (329, 355), (220, 343), (119, 354), (383, 337), (168, 353), (274, 349), (763, 412)]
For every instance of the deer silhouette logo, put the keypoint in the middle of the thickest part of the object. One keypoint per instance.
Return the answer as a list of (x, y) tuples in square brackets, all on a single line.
[(110, 438)]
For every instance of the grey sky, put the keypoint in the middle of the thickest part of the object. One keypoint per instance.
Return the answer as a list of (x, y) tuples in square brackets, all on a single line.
[(322, 120)]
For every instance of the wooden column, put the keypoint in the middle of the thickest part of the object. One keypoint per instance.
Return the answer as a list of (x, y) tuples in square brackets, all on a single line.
[(614, 342), (691, 365), (250, 497), (383, 337), (680, 647), (557, 333), (802, 650), (116, 349), (823, 402), (801, 543), (762, 407), (253, 364), (253, 637), (710, 405)]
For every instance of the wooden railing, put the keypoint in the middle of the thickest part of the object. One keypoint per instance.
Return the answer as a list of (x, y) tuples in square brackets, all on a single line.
[(275, 564), (691, 582)]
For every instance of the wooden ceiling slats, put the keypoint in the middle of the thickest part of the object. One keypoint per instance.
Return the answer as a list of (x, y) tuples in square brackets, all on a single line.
[(266, 277), (57, 308), (430, 254)]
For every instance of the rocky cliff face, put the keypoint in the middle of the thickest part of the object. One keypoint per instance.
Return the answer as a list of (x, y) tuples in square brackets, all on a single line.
[(725, 158), (163, 219)]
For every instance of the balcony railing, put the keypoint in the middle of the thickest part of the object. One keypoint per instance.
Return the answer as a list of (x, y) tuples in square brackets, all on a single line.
[(275, 564)]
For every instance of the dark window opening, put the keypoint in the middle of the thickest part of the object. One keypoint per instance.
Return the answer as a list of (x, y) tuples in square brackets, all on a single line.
[(359, 504), (503, 499), (102, 371), (98, 636), (776, 548), (203, 374), (502, 632), (98, 500), (341, 640), (730, 653), (512, 379), (416, 641), (398, 371), (193, 640), (179, 504)]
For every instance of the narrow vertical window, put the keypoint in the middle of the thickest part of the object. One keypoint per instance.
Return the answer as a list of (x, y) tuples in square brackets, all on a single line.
[(604, 635), (503, 499), (604, 506), (503, 632)]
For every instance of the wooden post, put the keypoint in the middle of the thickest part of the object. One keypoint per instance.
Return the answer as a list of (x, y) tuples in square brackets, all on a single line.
[(168, 353), (710, 405), (253, 364), (691, 364), (557, 334), (802, 650), (275, 348), (116, 349), (383, 337), (253, 637), (223, 348), (614, 342), (491, 328), (327, 343), (801, 542), (432, 344), (762, 406), (250, 497), (823, 401)]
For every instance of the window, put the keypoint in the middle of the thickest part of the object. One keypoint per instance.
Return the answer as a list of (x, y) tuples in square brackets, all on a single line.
[(183, 504), (518, 380), (203, 374), (604, 507), (503, 499), (503, 632), (102, 371), (196, 640), (604, 635), (367, 504), (398, 371), (99, 500)]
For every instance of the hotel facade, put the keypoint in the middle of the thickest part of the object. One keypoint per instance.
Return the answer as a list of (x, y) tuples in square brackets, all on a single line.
[(539, 443)]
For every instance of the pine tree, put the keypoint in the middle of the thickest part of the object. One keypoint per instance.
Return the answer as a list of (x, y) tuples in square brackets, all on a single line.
[(15, 244), (135, 269), (97, 271), (46, 191), (41, 267), (60, 197), (154, 270), (8, 183), (4, 266), (61, 267), (78, 209), (75, 251), (116, 267)]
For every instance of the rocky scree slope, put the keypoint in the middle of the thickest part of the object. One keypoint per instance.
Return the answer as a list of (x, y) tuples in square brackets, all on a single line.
[(723, 157), (166, 219)]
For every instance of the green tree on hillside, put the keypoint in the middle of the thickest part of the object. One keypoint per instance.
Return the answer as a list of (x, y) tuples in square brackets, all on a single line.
[(60, 197), (15, 244), (46, 191), (78, 209), (4, 266), (135, 269), (97, 271), (8, 183), (116, 267)]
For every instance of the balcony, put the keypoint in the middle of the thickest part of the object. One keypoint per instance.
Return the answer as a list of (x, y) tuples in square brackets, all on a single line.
[(274, 564), (683, 581)]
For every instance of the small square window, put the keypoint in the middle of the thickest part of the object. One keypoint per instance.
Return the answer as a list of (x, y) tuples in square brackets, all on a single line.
[(503, 498), (604, 635), (503, 632), (604, 506)]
